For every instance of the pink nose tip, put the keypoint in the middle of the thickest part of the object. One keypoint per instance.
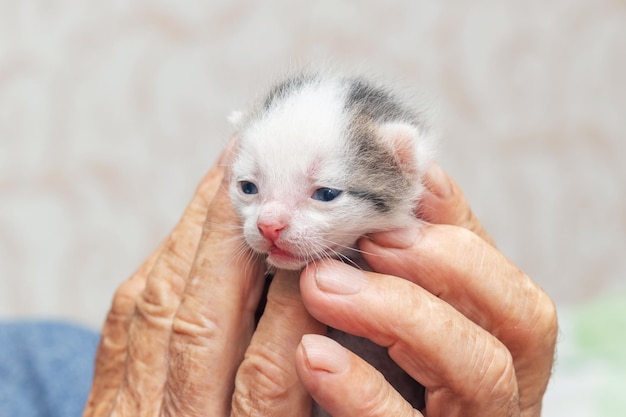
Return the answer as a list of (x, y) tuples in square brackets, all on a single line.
[(270, 231)]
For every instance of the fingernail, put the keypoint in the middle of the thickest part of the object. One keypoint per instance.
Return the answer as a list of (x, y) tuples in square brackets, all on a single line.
[(338, 278), (398, 238), (324, 354), (437, 181)]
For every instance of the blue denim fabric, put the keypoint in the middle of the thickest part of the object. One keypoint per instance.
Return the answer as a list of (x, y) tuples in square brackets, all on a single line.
[(45, 368)]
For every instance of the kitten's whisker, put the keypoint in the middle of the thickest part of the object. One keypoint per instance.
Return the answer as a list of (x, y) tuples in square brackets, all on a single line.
[(332, 253), (242, 252), (350, 248)]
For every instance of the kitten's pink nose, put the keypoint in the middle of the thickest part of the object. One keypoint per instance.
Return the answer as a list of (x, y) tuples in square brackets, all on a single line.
[(270, 231)]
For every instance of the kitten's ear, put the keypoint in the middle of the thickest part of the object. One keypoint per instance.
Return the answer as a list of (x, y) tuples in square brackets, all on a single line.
[(236, 118), (406, 143)]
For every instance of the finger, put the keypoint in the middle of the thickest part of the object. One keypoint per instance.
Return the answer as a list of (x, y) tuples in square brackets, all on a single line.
[(483, 285), (111, 353), (266, 382), (444, 203), (213, 325), (149, 331), (345, 385), (465, 370)]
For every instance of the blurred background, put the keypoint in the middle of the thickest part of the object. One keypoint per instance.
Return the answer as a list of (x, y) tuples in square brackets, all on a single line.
[(111, 112)]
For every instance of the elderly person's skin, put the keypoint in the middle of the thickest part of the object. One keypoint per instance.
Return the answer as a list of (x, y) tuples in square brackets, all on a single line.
[(180, 337)]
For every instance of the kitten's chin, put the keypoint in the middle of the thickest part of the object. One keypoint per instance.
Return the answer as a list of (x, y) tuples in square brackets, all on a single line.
[(287, 266), (284, 260)]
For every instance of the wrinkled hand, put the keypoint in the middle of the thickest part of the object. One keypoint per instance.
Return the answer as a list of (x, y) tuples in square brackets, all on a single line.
[(177, 330), (464, 321)]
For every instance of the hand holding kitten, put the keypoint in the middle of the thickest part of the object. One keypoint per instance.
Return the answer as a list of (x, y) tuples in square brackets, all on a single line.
[(180, 339), (464, 321)]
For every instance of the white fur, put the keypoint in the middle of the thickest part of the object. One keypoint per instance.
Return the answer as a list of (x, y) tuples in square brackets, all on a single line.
[(291, 151)]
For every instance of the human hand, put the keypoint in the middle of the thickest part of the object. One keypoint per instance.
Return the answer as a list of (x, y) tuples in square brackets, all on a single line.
[(175, 345), (464, 321), (177, 330)]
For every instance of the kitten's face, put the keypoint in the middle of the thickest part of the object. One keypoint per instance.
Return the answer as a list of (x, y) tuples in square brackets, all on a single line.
[(294, 204), (305, 189)]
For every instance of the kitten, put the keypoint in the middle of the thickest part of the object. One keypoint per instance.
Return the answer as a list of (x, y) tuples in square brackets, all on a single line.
[(321, 161)]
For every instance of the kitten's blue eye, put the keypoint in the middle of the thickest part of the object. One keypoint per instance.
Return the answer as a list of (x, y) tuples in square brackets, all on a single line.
[(248, 187), (325, 194)]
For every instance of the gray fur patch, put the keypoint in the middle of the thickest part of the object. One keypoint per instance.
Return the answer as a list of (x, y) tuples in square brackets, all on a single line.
[(284, 89), (378, 201), (377, 177), (365, 99)]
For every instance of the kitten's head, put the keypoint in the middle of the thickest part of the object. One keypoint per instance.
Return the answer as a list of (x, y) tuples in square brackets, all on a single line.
[(314, 171)]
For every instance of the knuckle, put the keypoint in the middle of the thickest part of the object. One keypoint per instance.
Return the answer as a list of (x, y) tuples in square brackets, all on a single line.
[(541, 335), (179, 250), (465, 235), (536, 323), (124, 299), (263, 383), (548, 323), (467, 242), (376, 397), (165, 285), (499, 383), (159, 300), (195, 328)]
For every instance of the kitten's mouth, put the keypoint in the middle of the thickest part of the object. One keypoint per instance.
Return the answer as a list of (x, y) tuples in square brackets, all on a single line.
[(277, 252), (285, 260)]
